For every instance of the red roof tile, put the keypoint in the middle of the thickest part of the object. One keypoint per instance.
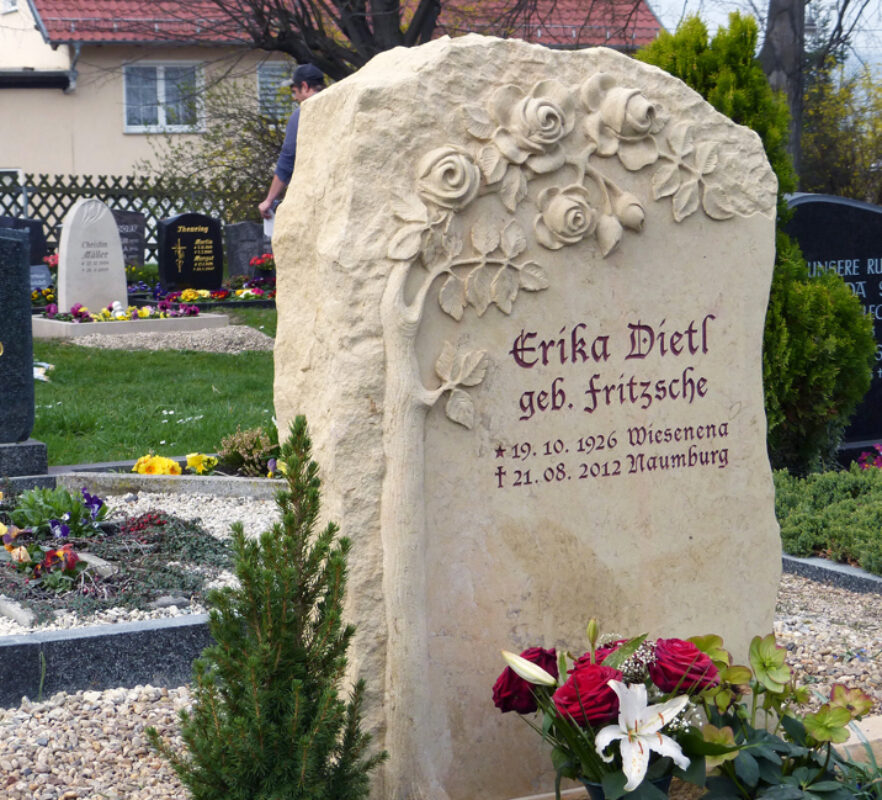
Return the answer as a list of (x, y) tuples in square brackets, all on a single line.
[(132, 21), (623, 24), (557, 23)]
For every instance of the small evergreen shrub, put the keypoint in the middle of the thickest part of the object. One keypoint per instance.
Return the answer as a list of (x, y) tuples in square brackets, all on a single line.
[(835, 514), (248, 452), (267, 721)]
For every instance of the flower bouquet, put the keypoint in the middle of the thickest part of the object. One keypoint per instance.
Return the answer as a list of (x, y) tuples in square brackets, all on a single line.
[(630, 714)]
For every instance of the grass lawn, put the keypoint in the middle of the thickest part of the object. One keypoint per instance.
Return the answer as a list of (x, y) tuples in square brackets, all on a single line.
[(111, 405)]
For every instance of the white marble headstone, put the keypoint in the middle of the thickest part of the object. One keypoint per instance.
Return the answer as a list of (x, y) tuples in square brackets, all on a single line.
[(521, 300), (91, 267)]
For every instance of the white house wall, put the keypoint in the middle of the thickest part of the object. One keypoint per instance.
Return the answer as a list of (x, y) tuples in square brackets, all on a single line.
[(22, 45), (82, 131)]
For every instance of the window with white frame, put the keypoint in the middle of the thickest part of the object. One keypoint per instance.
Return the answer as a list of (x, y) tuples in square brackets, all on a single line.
[(162, 97), (273, 92), (8, 5)]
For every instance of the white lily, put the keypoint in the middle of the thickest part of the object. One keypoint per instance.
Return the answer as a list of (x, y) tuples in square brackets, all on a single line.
[(639, 732), (530, 672)]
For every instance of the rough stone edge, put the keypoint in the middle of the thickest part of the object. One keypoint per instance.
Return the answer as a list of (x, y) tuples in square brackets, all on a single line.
[(121, 483), (156, 652), (820, 569)]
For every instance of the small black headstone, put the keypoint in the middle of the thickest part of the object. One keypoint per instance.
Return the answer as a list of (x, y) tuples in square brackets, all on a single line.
[(41, 277), (845, 236), (132, 227), (16, 338), (244, 241), (191, 254), (37, 236)]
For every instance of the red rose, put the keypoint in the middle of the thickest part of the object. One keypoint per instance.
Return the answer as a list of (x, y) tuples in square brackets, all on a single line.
[(586, 697), (682, 666), (512, 693)]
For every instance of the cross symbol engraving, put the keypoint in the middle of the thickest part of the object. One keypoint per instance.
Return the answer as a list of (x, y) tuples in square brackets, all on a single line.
[(180, 250)]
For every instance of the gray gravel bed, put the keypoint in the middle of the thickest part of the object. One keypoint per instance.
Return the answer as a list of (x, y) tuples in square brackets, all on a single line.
[(230, 339), (91, 745)]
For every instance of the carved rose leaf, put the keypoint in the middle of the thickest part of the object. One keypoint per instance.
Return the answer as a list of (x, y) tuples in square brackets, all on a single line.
[(485, 235), (706, 157), (665, 181), (609, 234), (452, 297), (478, 122), (452, 244), (472, 369), (410, 209), (492, 163), (716, 203), (514, 188), (478, 288), (680, 139), (504, 289), (444, 364), (533, 278), (637, 155), (406, 243), (686, 200), (514, 240), (460, 408)]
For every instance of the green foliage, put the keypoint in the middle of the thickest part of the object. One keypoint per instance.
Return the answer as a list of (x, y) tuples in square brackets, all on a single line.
[(725, 72), (248, 452), (36, 508), (818, 354), (841, 133), (267, 722), (818, 347), (836, 514)]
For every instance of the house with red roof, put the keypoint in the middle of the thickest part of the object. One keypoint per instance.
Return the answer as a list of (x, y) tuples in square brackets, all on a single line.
[(87, 86)]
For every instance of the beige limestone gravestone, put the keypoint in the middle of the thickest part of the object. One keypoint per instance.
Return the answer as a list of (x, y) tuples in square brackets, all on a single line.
[(521, 299), (91, 268)]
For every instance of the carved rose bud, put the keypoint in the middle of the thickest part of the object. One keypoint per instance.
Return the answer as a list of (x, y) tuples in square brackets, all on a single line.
[(629, 211), (531, 126), (448, 177), (566, 216)]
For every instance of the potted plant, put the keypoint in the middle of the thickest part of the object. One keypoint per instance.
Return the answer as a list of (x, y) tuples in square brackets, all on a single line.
[(630, 714)]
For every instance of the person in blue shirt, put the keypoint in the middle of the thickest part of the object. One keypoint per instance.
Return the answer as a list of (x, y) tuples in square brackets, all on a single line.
[(306, 81)]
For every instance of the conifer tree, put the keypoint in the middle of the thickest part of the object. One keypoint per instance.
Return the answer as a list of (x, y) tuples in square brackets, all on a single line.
[(267, 721)]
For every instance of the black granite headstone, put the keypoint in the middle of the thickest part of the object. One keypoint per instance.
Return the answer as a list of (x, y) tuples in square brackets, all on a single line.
[(37, 236), (132, 227), (41, 277), (191, 254), (16, 338), (845, 236), (243, 241)]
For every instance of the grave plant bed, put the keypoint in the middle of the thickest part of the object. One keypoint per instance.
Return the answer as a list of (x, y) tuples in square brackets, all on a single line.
[(154, 558)]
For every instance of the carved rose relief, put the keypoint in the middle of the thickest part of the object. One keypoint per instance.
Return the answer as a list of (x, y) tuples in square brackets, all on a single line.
[(565, 217), (519, 136), (448, 177), (621, 121), (531, 126)]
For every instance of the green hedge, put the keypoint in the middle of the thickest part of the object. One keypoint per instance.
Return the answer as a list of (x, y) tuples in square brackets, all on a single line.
[(837, 515)]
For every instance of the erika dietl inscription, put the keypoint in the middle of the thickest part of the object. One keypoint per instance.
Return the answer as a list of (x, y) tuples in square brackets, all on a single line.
[(639, 368)]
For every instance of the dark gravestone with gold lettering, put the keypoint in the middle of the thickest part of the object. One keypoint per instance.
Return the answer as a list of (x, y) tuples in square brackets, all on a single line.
[(19, 455), (132, 226), (845, 236), (37, 246), (191, 254)]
